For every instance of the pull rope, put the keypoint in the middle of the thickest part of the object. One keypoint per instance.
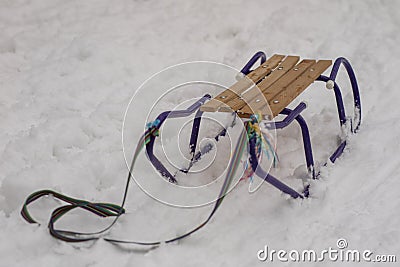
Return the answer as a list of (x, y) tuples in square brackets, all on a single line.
[(113, 210), (70, 236)]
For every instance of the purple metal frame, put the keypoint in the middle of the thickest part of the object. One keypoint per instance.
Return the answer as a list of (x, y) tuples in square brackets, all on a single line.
[(338, 95), (193, 140), (295, 115), (291, 115), (193, 137), (259, 55), (339, 100)]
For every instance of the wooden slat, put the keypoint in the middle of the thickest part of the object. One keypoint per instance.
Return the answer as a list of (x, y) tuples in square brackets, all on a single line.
[(237, 103), (265, 68), (243, 84), (279, 86), (285, 97), (218, 101), (280, 71)]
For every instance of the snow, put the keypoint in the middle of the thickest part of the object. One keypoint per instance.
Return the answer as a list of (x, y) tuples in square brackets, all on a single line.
[(68, 70)]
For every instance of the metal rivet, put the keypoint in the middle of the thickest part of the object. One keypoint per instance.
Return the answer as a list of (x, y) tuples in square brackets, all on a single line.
[(275, 101), (258, 100), (223, 96)]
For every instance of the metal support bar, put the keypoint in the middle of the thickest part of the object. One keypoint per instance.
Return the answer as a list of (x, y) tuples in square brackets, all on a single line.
[(339, 100), (204, 150), (338, 97), (195, 132), (260, 172), (338, 151), (354, 86), (259, 55), (292, 115), (161, 118), (306, 141)]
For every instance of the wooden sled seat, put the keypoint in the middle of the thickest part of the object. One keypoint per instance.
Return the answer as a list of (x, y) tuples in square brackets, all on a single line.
[(279, 80)]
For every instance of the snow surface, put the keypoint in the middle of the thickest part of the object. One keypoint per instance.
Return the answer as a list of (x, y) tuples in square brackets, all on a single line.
[(69, 68)]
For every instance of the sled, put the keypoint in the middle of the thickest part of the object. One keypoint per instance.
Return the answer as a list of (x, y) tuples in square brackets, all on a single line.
[(260, 94), (280, 80)]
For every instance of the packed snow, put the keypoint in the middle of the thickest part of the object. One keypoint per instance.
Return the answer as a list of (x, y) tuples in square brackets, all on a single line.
[(69, 69)]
